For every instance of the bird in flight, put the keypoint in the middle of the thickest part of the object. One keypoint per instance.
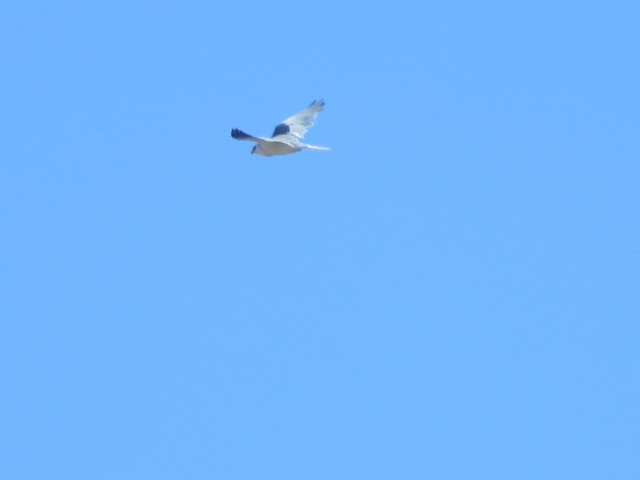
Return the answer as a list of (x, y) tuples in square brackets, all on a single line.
[(287, 135)]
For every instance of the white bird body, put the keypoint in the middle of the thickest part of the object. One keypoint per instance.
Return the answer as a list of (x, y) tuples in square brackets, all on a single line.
[(287, 135)]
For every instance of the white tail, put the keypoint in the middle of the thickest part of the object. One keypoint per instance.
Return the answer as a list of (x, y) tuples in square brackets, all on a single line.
[(314, 147)]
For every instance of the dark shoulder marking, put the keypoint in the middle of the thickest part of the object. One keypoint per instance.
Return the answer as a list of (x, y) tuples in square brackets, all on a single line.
[(281, 129)]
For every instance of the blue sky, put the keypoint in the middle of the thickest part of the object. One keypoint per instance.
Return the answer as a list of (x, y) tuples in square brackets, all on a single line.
[(451, 292)]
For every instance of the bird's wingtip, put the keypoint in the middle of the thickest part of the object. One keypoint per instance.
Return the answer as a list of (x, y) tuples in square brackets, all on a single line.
[(239, 134)]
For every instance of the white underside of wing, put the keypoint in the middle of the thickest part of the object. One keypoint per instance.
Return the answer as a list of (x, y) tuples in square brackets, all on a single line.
[(300, 123)]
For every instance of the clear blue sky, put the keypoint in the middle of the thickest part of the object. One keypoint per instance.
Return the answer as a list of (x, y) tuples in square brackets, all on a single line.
[(451, 292)]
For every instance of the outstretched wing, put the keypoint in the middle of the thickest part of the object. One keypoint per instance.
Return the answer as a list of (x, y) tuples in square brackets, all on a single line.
[(240, 135), (293, 129)]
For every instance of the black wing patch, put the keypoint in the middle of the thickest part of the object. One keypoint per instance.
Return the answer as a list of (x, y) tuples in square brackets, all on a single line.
[(239, 134), (281, 129)]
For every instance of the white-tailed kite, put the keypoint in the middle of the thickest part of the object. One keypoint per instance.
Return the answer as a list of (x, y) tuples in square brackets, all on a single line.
[(287, 135)]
